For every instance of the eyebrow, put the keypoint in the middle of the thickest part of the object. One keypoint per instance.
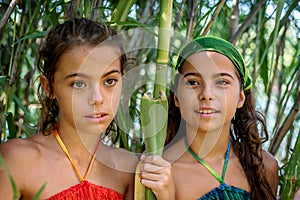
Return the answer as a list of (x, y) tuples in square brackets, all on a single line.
[(111, 72), (223, 74), (191, 74), (76, 75), (85, 76), (214, 76)]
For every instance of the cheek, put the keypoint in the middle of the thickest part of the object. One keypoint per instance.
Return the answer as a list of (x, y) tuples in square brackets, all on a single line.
[(115, 98), (187, 97)]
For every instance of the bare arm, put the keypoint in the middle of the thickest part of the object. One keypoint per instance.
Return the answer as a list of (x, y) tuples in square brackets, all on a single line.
[(129, 195), (271, 166), (6, 169)]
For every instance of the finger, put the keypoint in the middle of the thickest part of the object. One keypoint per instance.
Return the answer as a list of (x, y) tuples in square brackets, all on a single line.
[(163, 174), (151, 176), (155, 160), (151, 168), (154, 185)]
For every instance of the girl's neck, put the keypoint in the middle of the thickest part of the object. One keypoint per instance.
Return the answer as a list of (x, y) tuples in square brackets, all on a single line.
[(208, 144), (77, 143)]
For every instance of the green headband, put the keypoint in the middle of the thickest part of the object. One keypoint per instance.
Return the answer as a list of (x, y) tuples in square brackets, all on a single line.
[(221, 46)]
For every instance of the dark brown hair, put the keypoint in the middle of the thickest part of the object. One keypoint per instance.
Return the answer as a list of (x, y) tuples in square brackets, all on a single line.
[(71, 33)]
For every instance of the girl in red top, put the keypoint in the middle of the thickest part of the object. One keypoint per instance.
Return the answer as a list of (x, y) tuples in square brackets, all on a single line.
[(81, 66)]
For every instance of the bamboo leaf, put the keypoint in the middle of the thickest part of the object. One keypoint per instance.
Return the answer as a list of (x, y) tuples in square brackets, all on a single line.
[(292, 173), (25, 110), (276, 30), (154, 120), (154, 123), (11, 126), (32, 36), (264, 67), (13, 183), (2, 80), (36, 196), (134, 23)]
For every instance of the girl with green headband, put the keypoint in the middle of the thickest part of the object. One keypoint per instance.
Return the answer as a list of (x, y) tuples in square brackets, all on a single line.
[(214, 133)]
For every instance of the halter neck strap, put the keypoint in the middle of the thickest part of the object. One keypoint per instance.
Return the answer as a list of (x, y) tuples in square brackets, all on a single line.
[(201, 161), (64, 148)]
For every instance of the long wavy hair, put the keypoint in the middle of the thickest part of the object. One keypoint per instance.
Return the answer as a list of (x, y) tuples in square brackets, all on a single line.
[(70, 34), (248, 133)]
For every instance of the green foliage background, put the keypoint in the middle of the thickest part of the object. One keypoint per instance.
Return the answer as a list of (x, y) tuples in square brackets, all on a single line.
[(266, 32)]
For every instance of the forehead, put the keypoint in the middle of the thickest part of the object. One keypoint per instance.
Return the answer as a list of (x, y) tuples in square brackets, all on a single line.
[(208, 61), (90, 59)]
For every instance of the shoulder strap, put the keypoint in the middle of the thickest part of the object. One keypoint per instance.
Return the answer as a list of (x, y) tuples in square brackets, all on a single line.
[(64, 148), (213, 172)]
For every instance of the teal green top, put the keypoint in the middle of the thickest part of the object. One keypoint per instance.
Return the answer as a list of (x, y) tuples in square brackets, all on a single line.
[(224, 191)]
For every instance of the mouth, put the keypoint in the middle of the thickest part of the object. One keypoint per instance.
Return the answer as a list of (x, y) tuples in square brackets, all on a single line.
[(97, 116), (206, 111)]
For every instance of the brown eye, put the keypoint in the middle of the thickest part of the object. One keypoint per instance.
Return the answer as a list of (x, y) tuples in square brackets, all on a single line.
[(192, 83), (110, 82)]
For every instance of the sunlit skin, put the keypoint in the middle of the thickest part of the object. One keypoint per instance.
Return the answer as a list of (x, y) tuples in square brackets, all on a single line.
[(87, 86), (208, 94), (213, 87), (88, 89)]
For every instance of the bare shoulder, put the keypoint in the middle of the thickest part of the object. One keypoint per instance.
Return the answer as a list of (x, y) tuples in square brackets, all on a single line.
[(118, 158), (270, 162), (24, 151), (18, 155), (14, 149), (271, 170)]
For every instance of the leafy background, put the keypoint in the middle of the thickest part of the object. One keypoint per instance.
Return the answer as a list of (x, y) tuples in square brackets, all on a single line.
[(266, 32)]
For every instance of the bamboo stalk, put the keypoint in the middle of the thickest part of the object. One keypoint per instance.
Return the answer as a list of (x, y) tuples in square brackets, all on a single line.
[(154, 127), (5, 17), (292, 173), (247, 21), (286, 125), (213, 18), (163, 47), (121, 11)]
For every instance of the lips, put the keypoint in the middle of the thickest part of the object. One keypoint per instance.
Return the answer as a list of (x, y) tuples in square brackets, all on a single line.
[(97, 117), (97, 114), (207, 111)]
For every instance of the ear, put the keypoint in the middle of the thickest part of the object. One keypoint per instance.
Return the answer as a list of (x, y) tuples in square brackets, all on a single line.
[(45, 83), (176, 100), (241, 100)]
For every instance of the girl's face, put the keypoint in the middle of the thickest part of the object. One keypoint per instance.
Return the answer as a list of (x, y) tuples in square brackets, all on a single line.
[(208, 91), (87, 86)]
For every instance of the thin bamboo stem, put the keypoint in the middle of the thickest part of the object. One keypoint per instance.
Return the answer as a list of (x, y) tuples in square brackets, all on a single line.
[(5, 17), (163, 47), (213, 18), (248, 20), (121, 11)]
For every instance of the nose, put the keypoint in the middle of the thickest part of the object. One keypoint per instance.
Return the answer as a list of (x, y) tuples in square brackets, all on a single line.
[(206, 93), (96, 96)]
